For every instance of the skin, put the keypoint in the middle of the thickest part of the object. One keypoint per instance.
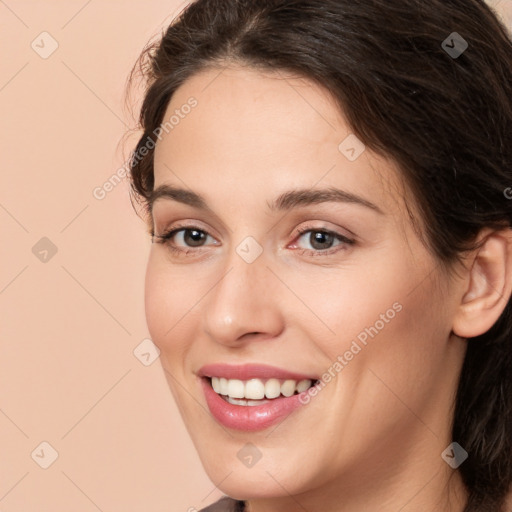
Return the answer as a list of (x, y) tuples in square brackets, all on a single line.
[(373, 436)]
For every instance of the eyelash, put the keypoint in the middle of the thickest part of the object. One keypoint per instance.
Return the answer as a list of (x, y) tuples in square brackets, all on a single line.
[(166, 237)]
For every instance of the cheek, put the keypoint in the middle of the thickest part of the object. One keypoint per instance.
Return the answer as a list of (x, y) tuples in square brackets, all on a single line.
[(401, 329), (388, 318), (359, 305), (169, 307), (154, 300)]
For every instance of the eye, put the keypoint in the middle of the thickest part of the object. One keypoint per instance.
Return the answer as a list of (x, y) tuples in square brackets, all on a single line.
[(183, 240), (190, 236), (322, 240)]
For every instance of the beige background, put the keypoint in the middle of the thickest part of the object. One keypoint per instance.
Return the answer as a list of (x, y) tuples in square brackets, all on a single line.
[(72, 320)]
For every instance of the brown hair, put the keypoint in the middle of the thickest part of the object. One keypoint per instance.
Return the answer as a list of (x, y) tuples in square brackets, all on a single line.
[(445, 119)]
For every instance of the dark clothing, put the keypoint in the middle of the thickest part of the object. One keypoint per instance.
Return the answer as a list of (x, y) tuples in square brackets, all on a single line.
[(225, 504)]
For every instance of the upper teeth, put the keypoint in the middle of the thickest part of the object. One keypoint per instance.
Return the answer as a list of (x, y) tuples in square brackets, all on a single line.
[(256, 389)]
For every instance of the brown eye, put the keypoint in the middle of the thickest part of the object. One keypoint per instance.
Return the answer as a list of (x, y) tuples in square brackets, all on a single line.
[(183, 238), (322, 241), (193, 237)]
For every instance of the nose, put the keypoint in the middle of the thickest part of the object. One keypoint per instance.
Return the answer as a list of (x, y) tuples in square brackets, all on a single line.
[(243, 303)]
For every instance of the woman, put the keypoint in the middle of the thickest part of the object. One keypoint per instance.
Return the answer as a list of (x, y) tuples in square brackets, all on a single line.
[(328, 184)]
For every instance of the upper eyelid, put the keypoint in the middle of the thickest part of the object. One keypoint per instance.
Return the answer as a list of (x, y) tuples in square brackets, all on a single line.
[(179, 226)]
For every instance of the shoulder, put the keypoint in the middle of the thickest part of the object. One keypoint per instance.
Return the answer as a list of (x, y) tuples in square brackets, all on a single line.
[(225, 504)]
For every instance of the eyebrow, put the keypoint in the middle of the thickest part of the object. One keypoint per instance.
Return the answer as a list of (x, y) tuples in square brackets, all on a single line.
[(285, 201)]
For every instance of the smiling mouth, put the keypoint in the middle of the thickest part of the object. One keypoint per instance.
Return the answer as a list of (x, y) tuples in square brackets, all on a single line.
[(254, 392)]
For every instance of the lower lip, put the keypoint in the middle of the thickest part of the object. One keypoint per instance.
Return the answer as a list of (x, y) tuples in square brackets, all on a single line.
[(249, 417)]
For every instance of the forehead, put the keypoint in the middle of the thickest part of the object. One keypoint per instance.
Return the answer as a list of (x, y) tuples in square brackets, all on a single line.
[(257, 133), (244, 112)]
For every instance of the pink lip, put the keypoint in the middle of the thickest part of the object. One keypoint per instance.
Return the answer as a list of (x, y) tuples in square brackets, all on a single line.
[(250, 371), (249, 418)]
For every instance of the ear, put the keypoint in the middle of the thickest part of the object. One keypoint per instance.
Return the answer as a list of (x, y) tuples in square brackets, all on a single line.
[(488, 285)]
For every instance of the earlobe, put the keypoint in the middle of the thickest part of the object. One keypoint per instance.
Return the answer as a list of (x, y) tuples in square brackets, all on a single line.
[(488, 285)]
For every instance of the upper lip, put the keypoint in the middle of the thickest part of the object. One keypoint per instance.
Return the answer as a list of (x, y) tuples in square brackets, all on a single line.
[(250, 371)]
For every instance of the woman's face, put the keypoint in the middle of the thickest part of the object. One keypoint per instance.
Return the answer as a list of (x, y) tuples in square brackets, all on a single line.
[(355, 301)]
